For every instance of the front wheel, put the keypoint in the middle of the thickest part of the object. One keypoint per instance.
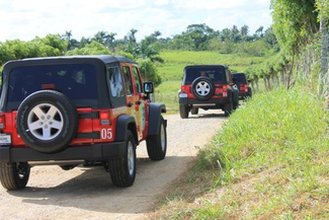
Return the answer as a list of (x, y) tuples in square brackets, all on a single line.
[(14, 176), (123, 170), (157, 144)]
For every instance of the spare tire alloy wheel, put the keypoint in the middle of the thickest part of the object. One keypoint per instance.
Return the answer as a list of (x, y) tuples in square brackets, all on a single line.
[(47, 121), (203, 88)]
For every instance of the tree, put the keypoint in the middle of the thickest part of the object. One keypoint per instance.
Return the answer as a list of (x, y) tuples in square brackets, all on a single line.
[(105, 38), (67, 36), (13, 50), (51, 45), (225, 34), (149, 71), (148, 49), (244, 32), (131, 43), (323, 9), (93, 48), (235, 34), (200, 34), (110, 41), (294, 25), (270, 38), (259, 32)]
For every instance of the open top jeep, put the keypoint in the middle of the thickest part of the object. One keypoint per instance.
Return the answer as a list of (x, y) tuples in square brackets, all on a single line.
[(240, 79), (207, 87), (78, 110)]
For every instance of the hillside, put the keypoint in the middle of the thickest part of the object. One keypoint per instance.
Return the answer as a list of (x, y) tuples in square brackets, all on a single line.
[(268, 162)]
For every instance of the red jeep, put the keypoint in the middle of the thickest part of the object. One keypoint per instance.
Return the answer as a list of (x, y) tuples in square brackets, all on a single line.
[(240, 79), (70, 111), (207, 87)]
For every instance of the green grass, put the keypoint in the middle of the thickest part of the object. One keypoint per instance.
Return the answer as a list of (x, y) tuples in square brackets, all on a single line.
[(269, 162), (171, 70)]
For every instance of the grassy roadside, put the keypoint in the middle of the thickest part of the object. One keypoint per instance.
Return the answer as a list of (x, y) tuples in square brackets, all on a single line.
[(269, 162)]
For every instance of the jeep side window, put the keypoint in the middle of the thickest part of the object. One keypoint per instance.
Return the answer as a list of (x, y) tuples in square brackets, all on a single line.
[(115, 86), (128, 80), (228, 79), (115, 82), (138, 84)]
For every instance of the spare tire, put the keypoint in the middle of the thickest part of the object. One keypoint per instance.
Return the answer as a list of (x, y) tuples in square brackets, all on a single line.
[(203, 88), (47, 121)]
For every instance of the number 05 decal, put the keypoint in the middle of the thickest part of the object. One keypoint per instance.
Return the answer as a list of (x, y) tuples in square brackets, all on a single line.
[(106, 133)]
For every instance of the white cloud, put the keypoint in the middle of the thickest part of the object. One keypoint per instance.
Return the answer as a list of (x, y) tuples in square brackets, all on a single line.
[(212, 4), (26, 19)]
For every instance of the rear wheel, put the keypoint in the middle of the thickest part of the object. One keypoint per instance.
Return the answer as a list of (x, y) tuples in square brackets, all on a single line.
[(249, 92), (228, 107), (194, 111), (123, 170), (14, 176), (157, 144), (236, 103), (183, 111)]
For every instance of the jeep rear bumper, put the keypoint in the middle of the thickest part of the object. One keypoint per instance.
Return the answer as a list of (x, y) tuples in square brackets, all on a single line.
[(86, 152), (243, 96), (211, 103)]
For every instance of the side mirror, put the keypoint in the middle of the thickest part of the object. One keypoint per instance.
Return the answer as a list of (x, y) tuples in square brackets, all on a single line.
[(148, 87)]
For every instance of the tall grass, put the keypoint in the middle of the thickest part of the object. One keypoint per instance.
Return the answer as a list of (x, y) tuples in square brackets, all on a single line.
[(270, 161)]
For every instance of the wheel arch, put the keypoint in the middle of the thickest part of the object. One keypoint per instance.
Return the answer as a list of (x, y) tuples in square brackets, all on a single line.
[(125, 123), (155, 117)]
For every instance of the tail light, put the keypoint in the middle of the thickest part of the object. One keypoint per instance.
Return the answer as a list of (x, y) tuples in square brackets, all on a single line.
[(105, 117), (244, 88), (185, 89), (2, 120), (224, 90), (221, 90)]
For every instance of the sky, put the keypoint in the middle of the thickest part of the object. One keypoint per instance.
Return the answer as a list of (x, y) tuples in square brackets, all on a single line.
[(26, 19)]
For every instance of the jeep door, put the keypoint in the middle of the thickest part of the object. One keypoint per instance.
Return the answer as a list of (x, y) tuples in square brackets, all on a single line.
[(140, 103), (135, 104)]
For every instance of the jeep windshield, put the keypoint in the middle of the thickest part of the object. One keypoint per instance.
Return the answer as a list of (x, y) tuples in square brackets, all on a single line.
[(215, 73), (76, 81)]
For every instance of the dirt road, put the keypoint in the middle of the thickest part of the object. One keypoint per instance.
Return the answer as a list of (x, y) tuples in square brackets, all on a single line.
[(87, 193)]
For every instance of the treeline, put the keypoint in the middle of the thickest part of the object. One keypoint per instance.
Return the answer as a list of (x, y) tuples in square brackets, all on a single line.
[(301, 29), (60, 45), (196, 37), (229, 40)]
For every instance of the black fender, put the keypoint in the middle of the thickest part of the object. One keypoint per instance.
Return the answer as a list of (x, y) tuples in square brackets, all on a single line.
[(230, 95), (155, 117), (125, 123)]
